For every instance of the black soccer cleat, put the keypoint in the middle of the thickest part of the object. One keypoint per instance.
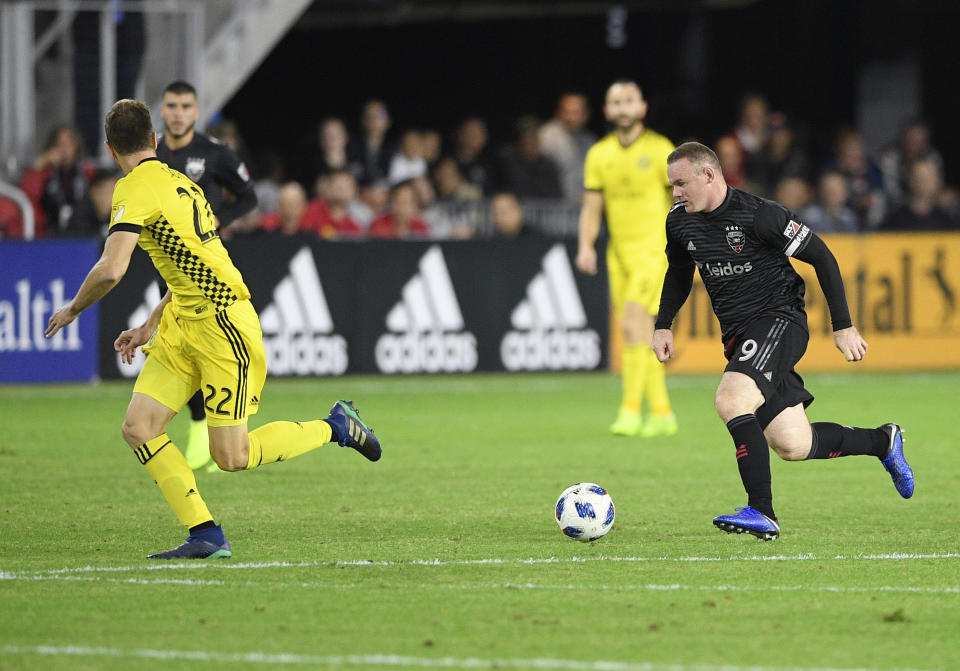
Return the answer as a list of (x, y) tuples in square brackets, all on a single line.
[(350, 431)]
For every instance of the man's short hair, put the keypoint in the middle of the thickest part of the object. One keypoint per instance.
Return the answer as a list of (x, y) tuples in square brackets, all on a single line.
[(129, 127), (624, 81), (699, 155), (180, 87)]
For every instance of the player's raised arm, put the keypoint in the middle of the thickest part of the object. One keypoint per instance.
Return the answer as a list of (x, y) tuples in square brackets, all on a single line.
[(104, 275)]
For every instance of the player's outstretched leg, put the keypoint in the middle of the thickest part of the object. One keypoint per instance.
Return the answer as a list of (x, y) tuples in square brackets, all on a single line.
[(748, 520), (895, 463), (350, 431), (207, 543)]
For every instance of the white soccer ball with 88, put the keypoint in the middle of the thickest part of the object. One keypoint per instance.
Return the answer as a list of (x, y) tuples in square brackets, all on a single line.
[(585, 512)]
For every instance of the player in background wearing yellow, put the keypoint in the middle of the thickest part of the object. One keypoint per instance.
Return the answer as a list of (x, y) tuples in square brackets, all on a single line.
[(625, 174), (205, 334)]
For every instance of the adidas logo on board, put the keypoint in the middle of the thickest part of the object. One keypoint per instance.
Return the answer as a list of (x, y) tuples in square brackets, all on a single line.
[(297, 327), (550, 323), (426, 326)]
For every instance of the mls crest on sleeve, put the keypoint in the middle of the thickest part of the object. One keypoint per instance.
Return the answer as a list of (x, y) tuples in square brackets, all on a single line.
[(735, 238)]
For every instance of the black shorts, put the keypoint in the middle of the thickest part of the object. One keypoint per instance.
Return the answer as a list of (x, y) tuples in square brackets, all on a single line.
[(766, 352)]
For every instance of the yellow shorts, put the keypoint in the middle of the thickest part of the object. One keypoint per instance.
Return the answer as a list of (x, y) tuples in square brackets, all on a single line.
[(635, 276), (222, 355)]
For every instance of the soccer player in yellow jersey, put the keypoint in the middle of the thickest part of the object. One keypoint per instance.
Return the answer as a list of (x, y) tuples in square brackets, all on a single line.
[(204, 335), (626, 174)]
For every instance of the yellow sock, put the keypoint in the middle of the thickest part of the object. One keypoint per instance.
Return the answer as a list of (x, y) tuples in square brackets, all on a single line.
[(633, 371), (656, 387), (170, 471), (279, 441)]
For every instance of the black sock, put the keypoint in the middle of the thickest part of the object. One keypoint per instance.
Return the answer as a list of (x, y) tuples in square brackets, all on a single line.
[(834, 440), (197, 411), (753, 461)]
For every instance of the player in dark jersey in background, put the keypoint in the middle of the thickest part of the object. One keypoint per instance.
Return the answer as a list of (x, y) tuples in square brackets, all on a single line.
[(741, 243), (226, 184)]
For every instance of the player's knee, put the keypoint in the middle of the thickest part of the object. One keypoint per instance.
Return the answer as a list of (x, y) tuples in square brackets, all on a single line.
[(729, 406), (228, 461), (135, 433), (230, 453), (791, 450)]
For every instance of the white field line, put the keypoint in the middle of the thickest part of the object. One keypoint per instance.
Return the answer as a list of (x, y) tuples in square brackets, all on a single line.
[(386, 660), (228, 565), (507, 586)]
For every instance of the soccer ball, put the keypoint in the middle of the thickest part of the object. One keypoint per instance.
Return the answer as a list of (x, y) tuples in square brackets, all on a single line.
[(585, 512)]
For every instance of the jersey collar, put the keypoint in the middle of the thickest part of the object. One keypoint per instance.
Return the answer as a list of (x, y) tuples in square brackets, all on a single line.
[(723, 206)]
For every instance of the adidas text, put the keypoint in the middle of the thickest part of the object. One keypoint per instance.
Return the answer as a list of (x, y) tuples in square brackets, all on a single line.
[(305, 353), (550, 350), (727, 269), (430, 352)]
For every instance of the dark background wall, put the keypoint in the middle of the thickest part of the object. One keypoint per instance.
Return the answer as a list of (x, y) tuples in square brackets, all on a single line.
[(693, 59)]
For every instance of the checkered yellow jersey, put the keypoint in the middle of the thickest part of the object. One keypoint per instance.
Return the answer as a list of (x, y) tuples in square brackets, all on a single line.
[(635, 188), (177, 229)]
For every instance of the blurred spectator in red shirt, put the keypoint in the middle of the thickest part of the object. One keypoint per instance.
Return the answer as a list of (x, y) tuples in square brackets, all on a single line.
[(11, 221), (402, 218), (328, 214), (291, 206), (57, 181)]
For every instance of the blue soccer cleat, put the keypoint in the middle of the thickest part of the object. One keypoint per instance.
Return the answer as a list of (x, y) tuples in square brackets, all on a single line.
[(750, 521), (209, 545), (895, 463), (350, 431)]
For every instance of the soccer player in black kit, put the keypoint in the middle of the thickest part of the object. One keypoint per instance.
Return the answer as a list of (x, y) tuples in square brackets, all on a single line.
[(215, 168), (740, 243)]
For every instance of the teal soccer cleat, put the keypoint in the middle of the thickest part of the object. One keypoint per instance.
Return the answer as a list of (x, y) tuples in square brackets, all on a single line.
[(208, 544), (350, 431), (748, 520)]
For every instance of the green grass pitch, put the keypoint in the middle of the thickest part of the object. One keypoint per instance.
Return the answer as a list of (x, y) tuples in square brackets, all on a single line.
[(445, 554)]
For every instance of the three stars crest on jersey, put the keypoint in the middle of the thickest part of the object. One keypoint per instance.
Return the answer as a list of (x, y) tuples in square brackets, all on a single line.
[(736, 238)]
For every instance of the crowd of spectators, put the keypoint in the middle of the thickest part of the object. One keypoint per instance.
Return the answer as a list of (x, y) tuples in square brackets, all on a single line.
[(382, 184)]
